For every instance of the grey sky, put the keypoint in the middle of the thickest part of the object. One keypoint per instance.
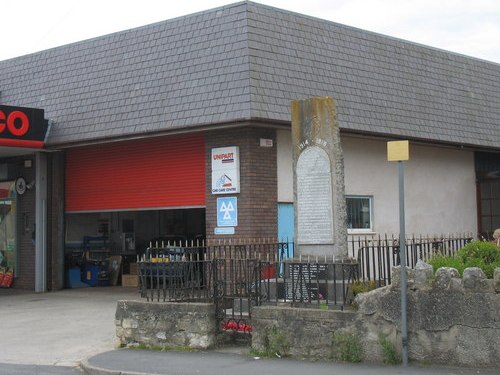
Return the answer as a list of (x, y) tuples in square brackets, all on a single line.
[(470, 27)]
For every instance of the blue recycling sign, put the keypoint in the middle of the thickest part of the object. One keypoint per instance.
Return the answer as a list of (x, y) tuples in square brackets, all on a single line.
[(227, 212)]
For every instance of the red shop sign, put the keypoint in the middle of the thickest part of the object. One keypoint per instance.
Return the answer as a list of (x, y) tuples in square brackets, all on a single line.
[(22, 127)]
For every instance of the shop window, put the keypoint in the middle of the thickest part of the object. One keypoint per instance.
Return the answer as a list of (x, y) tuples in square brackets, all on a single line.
[(359, 213), (8, 243), (489, 198)]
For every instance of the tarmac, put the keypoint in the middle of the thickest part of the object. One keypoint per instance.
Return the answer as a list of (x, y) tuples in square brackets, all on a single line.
[(76, 328), (147, 362)]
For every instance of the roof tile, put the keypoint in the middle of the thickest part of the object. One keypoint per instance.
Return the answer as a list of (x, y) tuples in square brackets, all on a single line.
[(246, 61)]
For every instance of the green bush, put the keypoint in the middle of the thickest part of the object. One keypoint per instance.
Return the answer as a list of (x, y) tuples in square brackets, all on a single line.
[(485, 255), (439, 261), (488, 252), (363, 286)]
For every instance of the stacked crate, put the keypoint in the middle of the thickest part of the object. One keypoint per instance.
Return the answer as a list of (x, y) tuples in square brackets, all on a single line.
[(131, 280)]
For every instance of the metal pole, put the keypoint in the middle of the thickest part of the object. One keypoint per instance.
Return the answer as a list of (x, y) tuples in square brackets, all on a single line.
[(402, 255), (41, 223)]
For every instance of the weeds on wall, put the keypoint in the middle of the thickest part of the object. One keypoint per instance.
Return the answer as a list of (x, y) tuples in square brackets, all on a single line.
[(275, 344), (389, 352), (347, 347)]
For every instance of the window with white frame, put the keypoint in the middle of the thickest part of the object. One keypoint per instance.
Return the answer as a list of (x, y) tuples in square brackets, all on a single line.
[(359, 213)]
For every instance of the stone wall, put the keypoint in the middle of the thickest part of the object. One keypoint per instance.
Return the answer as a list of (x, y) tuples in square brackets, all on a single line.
[(302, 333), (166, 324), (451, 320)]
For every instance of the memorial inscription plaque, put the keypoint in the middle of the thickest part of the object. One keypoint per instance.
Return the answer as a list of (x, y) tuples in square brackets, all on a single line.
[(314, 197), (320, 214)]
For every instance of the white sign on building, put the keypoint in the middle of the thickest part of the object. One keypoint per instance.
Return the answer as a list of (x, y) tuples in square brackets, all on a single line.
[(225, 170)]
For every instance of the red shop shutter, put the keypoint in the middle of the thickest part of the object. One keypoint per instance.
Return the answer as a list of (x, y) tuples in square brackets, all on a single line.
[(142, 174)]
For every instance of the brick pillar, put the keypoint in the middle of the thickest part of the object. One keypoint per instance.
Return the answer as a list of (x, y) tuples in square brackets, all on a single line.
[(257, 200)]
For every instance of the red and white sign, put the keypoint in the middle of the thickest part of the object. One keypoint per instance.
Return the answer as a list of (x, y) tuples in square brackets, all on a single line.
[(225, 170)]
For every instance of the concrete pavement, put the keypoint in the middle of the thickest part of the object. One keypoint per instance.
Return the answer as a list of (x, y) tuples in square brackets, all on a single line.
[(58, 328)]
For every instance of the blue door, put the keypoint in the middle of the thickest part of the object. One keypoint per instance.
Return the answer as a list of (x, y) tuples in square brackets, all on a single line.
[(286, 226)]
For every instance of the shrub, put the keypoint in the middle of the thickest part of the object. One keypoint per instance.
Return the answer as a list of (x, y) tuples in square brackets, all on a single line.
[(485, 251), (439, 261), (485, 255), (363, 286)]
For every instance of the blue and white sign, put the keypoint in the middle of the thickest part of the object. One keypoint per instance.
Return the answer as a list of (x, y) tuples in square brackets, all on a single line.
[(227, 212), (224, 230)]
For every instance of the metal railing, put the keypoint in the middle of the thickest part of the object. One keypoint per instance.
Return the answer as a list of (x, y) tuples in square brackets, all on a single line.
[(377, 255), (237, 276), (183, 272)]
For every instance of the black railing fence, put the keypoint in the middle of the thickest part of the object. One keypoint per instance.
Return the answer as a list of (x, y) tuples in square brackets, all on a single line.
[(376, 255), (238, 275)]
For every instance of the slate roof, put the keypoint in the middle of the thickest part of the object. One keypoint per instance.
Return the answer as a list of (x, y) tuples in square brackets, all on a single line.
[(246, 61)]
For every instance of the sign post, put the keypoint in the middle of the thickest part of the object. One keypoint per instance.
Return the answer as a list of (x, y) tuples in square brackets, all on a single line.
[(399, 151)]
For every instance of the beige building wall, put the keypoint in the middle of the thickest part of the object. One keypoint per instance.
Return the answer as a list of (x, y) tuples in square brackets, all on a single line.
[(285, 172), (440, 189)]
